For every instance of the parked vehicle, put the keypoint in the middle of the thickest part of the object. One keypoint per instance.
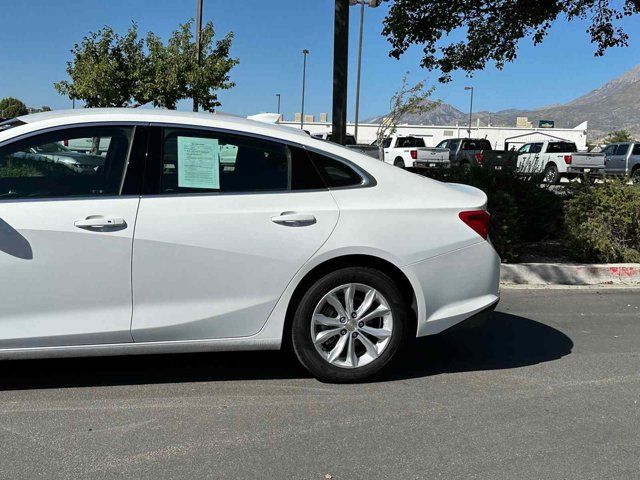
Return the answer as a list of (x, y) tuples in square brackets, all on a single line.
[(176, 253), (467, 152), (94, 146), (328, 136), (623, 159), (58, 153), (558, 159), (407, 151)]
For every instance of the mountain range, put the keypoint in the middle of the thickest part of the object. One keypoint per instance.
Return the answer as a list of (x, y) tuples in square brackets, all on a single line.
[(613, 106)]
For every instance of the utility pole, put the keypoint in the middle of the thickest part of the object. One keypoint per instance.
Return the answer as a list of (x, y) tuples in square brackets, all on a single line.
[(340, 69), (470, 108), (305, 52), (198, 46), (278, 96)]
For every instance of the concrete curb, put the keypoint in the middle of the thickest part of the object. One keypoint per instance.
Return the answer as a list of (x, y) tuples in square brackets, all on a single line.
[(570, 274)]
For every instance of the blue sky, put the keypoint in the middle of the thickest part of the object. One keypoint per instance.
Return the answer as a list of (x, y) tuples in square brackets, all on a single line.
[(36, 37)]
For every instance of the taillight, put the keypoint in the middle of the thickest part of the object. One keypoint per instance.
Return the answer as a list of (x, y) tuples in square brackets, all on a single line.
[(568, 159), (414, 154), (478, 220), (480, 158)]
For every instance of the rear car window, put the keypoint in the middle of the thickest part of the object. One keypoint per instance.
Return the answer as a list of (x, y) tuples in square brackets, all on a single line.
[(335, 174), (562, 147), (636, 149), (622, 149)]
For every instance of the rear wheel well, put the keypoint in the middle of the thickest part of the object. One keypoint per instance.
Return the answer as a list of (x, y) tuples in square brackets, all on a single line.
[(389, 269)]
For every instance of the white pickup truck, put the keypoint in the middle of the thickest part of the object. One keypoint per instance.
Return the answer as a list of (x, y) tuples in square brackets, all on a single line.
[(407, 151), (558, 159)]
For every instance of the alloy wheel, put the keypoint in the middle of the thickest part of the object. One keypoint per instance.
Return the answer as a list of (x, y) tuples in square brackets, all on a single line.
[(352, 325)]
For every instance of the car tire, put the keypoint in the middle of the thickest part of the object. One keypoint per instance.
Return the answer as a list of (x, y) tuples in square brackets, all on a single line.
[(368, 341), (398, 162), (635, 176), (551, 175)]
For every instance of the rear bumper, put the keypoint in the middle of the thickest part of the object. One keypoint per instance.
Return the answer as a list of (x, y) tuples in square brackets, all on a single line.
[(454, 287), (592, 171), (419, 164)]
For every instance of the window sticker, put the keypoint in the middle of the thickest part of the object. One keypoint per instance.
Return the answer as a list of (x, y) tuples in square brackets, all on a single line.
[(198, 163)]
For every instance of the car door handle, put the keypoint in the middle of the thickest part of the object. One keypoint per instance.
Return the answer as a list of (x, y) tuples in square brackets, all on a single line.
[(294, 219), (101, 223)]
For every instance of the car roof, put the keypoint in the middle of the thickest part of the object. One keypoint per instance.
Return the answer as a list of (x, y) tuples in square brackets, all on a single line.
[(217, 120)]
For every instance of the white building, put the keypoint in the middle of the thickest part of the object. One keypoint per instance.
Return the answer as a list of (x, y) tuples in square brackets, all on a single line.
[(500, 137)]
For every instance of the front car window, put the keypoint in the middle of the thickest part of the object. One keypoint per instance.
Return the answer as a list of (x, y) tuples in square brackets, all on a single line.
[(442, 144), (453, 145), (44, 166), (524, 149)]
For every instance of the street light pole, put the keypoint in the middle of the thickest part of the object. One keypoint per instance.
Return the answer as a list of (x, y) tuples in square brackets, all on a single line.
[(372, 4), (305, 52), (470, 108), (278, 96), (198, 46)]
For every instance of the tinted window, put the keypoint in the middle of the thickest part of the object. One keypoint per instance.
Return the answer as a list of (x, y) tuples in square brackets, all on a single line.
[(404, 142), (335, 173), (470, 145), (442, 144), (7, 124), (386, 143), (484, 145), (609, 150), (561, 147), (197, 161), (622, 149), (304, 174), (536, 148), (453, 145), (636, 149), (53, 164)]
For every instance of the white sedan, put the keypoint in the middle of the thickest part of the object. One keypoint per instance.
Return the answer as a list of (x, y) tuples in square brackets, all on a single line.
[(212, 232)]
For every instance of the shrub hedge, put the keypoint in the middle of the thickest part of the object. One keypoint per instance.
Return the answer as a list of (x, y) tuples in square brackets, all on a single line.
[(598, 223)]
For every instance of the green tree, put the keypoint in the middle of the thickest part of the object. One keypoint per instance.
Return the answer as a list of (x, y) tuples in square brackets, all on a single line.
[(12, 107), (110, 70), (491, 29), (175, 74), (619, 136)]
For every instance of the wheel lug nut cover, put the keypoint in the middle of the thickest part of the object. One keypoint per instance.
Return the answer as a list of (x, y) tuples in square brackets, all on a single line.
[(354, 334), (361, 324), (343, 332)]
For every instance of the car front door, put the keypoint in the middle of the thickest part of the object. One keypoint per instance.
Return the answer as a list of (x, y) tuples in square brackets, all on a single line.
[(66, 232), (216, 244)]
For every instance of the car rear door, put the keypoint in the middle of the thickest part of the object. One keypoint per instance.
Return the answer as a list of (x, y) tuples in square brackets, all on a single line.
[(66, 231), (617, 161), (216, 245)]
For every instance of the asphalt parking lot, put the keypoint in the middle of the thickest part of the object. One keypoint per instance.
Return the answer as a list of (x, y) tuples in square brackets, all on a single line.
[(550, 389)]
